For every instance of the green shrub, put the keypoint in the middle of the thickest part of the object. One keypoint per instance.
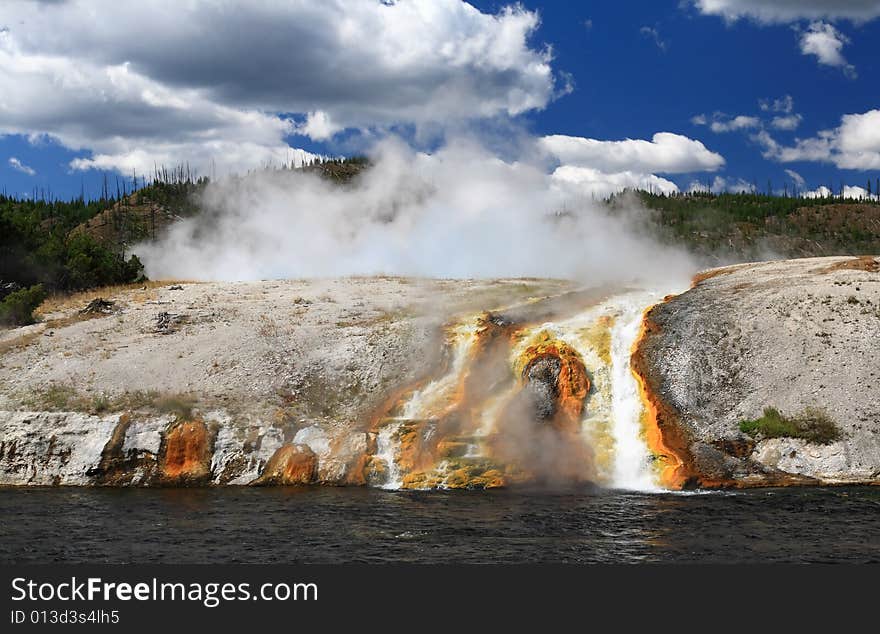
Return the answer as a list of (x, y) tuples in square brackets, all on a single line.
[(17, 309), (812, 425), (815, 426), (771, 425)]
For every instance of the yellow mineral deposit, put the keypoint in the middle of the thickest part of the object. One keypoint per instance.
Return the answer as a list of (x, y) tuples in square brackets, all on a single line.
[(557, 402), (187, 453)]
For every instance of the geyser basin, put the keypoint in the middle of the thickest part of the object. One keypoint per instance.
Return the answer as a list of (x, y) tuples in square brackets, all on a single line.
[(322, 392), (348, 382)]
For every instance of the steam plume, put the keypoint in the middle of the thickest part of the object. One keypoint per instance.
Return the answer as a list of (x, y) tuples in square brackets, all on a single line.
[(460, 212)]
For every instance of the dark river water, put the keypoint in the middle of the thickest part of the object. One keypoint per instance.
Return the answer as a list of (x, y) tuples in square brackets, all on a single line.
[(332, 525)]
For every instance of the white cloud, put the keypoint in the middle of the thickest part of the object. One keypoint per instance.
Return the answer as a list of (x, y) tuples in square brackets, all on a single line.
[(781, 11), (595, 168), (859, 193), (721, 184), (665, 153), (771, 147), (318, 126), (787, 122), (821, 39), (785, 119), (214, 88), (740, 122), (721, 123), (18, 166), (826, 43), (796, 178), (819, 192), (588, 181), (129, 121), (855, 144)]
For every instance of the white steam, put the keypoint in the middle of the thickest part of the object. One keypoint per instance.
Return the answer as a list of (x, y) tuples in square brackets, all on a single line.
[(460, 212)]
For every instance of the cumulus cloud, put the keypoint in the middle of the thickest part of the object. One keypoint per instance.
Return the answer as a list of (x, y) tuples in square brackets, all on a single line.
[(130, 122), (855, 144), (666, 153), (819, 192), (783, 11), (318, 126), (230, 81), (820, 39), (859, 193), (18, 166), (599, 185), (459, 212), (826, 43)]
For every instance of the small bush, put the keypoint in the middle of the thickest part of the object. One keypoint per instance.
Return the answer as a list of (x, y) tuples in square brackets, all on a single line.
[(812, 425), (17, 309), (816, 427)]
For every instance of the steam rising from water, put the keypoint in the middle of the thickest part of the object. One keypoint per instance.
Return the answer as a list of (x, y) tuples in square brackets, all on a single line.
[(460, 212)]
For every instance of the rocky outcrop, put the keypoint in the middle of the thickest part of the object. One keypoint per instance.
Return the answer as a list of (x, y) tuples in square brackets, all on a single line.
[(249, 368), (792, 335), (291, 464), (43, 448), (406, 383), (72, 448)]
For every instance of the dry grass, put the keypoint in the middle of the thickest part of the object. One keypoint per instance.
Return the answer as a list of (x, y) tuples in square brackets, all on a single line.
[(24, 340), (137, 292), (702, 276), (21, 341), (866, 263), (63, 397)]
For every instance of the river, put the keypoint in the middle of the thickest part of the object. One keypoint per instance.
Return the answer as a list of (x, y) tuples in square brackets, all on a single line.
[(333, 525)]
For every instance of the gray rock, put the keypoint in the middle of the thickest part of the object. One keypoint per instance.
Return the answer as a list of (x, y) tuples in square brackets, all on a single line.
[(790, 334)]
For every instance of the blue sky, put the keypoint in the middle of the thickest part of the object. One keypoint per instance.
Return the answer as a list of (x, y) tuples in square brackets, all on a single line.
[(627, 86), (636, 67)]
